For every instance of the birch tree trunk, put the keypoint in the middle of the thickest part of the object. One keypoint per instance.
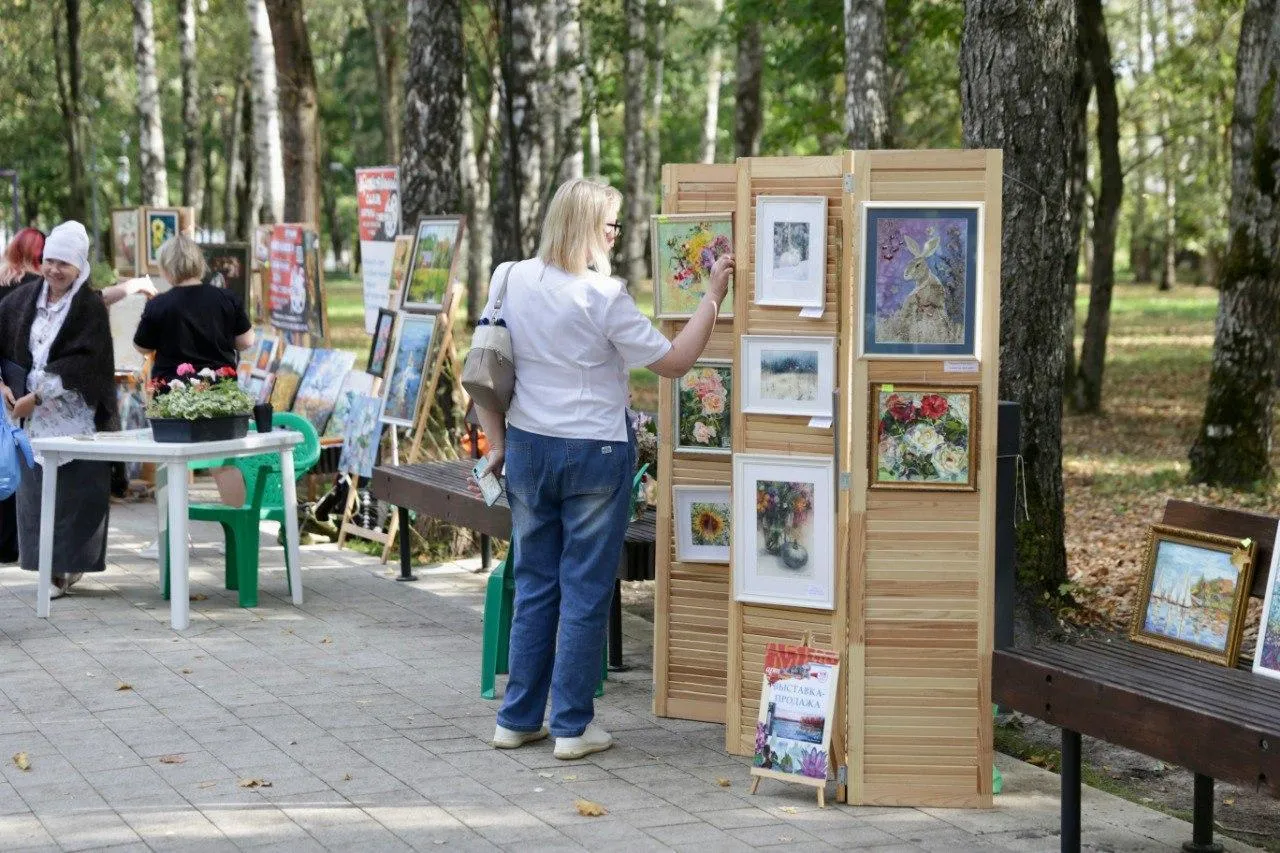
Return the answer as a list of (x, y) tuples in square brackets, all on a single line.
[(66, 58), (866, 86), (1234, 444), (747, 111), (267, 153), (431, 158), (1139, 239), (571, 73), (299, 110), (1017, 66), (546, 51), (477, 158), (384, 25), (191, 136), (1168, 165), (711, 120), (249, 194), (1093, 352), (593, 72), (1074, 210), (653, 121), (153, 177), (233, 168), (635, 74), (515, 206)]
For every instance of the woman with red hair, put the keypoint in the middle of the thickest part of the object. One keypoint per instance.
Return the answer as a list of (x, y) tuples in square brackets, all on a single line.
[(21, 260)]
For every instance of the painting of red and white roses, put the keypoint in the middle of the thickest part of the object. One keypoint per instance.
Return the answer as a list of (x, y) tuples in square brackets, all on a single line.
[(703, 406), (923, 437)]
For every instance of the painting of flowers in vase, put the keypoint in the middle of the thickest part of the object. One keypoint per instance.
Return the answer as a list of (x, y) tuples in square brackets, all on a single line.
[(703, 406), (923, 437), (685, 247)]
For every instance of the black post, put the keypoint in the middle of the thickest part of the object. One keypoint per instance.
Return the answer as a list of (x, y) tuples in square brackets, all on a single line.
[(1070, 821), (406, 561), (1008, 446), (615, 630), (1202, 819)]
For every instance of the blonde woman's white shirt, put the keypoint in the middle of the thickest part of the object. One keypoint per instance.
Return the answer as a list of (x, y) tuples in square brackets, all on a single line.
[(574, 339)]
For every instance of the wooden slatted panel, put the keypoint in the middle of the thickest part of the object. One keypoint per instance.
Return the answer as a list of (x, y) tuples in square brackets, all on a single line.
[(920, 718), (691, 614)]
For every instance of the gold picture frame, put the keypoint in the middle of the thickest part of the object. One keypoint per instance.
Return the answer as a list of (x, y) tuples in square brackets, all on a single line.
[(1182, 571), (913, 441)]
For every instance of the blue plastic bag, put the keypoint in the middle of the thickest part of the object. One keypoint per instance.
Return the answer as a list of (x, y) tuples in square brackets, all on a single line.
[(15, 450)]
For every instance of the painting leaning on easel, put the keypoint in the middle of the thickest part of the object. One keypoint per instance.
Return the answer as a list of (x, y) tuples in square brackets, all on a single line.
[(797, 706)]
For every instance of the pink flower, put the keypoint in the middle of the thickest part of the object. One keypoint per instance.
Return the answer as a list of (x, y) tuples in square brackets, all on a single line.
[(186, 369), (703, 433), (712, 404)]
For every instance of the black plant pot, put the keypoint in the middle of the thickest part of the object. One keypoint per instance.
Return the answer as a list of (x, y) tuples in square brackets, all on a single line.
[(181, 430)]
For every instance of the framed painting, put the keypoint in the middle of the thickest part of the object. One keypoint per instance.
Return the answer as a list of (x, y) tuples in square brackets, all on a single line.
[(409, 366), (380, 346), (400, 262), (288, 376), (921, 280), (1193, 593), (124, 240), (923, 437), (784, 538), (360, 436), (684, 248), (788, 375), (318, 391), (159, 224), (703, 522), (266, 352), (703, 408), (431, 265), (357, 382), (1266, 656), (797, 714), (233, 263), (791, 250)]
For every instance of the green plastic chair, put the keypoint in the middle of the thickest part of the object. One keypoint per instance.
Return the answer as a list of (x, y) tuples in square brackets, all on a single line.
[(499, 608), (265, 489)]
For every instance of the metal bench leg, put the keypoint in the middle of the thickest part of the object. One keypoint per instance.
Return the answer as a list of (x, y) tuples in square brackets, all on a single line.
[(1070, 821), (615, 630), (1202, 820), (406, 548)]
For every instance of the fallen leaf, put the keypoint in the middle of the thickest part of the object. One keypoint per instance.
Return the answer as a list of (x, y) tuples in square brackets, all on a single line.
[(22, 762), (293, 743), (254, 783), (346, 777), (723, 782), (199, 596), (547, 775), (586, 808), (570, 778), (787, 809), (186, 670), (207, 784), (1037, 760), (173, 759), (123, 686), (1228, 801), (324, 641)]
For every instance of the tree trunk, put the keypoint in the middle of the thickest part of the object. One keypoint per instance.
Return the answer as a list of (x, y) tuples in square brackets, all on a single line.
[(748, 117), (634, 145), (866, 113), (233, 168), (593, 113), (384, 25), (516, 203), (431, 160), (1106, 212), (250, 191), (653, 128), (570, 73), (1234, 444), (1077, 186), (299, 110), (68, 81), (191, 135), (546, 52), (1139, 239), (711, 121), (1017, 65), (477, 156), (208, 205), (153, 176), (268, 179)]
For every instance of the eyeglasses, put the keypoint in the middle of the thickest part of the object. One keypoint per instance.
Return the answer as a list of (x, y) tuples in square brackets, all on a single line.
[(616, 226)]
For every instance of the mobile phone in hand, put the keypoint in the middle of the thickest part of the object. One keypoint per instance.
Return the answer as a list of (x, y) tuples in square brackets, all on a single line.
[(489, 486)]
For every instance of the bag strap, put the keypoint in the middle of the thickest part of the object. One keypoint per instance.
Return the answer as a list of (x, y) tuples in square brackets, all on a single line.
[(502, 290)]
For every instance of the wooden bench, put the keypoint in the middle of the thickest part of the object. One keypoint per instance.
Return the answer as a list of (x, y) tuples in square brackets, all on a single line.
[(439, 490), (1217, 722)]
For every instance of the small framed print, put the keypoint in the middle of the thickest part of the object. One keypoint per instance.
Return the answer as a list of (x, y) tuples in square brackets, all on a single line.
[(923, 437), (432, 262), (784, 541), (791, 251), (788, 375), (159, 224), (1266, 657), (380, 346), (703, 408), (921, 280), (1193, 593), (704, 523), (410, 364), (124, 240), (685, 246)]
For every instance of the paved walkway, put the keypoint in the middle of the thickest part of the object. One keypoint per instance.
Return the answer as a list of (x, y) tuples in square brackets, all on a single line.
[(355, 723)]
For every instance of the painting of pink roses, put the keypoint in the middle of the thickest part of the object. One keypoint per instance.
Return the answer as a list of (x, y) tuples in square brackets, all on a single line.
[(923, 437), (685, 246), (703, 406)]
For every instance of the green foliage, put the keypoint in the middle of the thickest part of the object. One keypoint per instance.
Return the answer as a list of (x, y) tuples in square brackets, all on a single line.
[(195, 398)]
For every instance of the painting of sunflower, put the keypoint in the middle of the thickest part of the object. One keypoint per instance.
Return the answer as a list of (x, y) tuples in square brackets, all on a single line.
[(704, 523), (710, 523)]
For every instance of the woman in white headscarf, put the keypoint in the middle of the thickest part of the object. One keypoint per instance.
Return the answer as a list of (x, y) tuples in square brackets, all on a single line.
[(56, 330)]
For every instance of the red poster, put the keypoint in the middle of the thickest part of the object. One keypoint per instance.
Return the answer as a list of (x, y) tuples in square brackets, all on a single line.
[(378, 203), (288, 293)]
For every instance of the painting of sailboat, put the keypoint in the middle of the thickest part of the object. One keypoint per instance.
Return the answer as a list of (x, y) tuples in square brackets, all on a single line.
[(1194, 589)]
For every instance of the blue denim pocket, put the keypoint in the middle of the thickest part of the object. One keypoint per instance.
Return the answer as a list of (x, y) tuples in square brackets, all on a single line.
[(597, 467)]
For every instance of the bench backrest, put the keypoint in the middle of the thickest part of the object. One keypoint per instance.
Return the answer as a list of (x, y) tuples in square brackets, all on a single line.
[(1230, 522)]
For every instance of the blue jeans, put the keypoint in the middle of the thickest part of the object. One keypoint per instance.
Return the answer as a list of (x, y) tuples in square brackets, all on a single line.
[(569, 504)]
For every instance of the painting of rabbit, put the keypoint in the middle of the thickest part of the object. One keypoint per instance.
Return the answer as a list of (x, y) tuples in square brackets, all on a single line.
[(920, 281)]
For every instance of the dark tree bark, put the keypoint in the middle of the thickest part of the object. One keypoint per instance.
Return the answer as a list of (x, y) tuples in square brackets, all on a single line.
[(748, 115), (1233, 447), (866, 114), (1017, 63), (1106, 211), (431, 159), (299, 110), (191, 137), (1139, 238), (515, 207), (1077, 191), (233, 166), (384, 24), (635, 74), (66, 58), (248, 193)]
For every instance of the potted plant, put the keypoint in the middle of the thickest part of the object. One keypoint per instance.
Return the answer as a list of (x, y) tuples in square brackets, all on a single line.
[(207, 405)]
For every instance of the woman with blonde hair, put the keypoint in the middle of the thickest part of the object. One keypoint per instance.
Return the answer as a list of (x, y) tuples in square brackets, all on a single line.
[(570, 457)]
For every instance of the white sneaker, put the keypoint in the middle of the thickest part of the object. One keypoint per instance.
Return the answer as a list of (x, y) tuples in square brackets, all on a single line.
[(56, 591), (594, 739), (152, 551), (505, 738)]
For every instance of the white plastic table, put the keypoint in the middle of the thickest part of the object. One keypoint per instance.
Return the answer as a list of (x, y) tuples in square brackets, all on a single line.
[(171, 497)]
